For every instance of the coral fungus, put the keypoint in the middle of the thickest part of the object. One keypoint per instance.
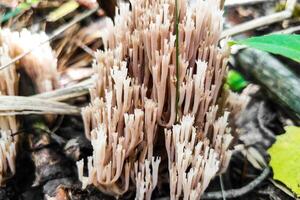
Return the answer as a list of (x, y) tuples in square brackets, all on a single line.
[(134, 98)]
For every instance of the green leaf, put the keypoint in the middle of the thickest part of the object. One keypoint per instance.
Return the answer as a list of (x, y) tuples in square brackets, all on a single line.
[(20, 8), (236, 81), (10, 14), (282, 44), (285, 158)]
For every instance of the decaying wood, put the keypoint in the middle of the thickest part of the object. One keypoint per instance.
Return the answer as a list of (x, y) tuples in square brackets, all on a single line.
[(17, 105), (274, 76), (8, 193), (53, 169)]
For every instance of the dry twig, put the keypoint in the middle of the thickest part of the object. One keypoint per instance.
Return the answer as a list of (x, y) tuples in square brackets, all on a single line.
[(262, 21), (288, 30), (233, 193)]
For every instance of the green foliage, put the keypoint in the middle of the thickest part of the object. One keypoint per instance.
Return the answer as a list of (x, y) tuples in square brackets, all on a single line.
[(282, 44), (20, 8), (236, 81), (285, 158)]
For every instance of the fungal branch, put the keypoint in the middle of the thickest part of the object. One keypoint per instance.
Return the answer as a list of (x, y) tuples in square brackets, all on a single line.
[(161, 70)]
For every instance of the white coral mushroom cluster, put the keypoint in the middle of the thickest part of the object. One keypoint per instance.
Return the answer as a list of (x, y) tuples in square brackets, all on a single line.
[(7, 156), (116, 124), (135, 98), (194, 161)]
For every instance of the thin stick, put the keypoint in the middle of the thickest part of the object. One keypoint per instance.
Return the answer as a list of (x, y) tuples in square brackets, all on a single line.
[(177, 55), (231, 3), (288, 30), (67, 93), (234, 193), (262, 21), (259, 22), (84, 47), (51, 37), (222, 187)]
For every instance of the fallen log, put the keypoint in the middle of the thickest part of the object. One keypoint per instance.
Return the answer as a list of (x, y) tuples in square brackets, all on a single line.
[(278, 80)]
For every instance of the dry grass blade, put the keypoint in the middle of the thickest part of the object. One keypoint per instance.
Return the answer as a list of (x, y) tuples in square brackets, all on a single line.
[(67, 93), (16, 105), (74, 40)]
